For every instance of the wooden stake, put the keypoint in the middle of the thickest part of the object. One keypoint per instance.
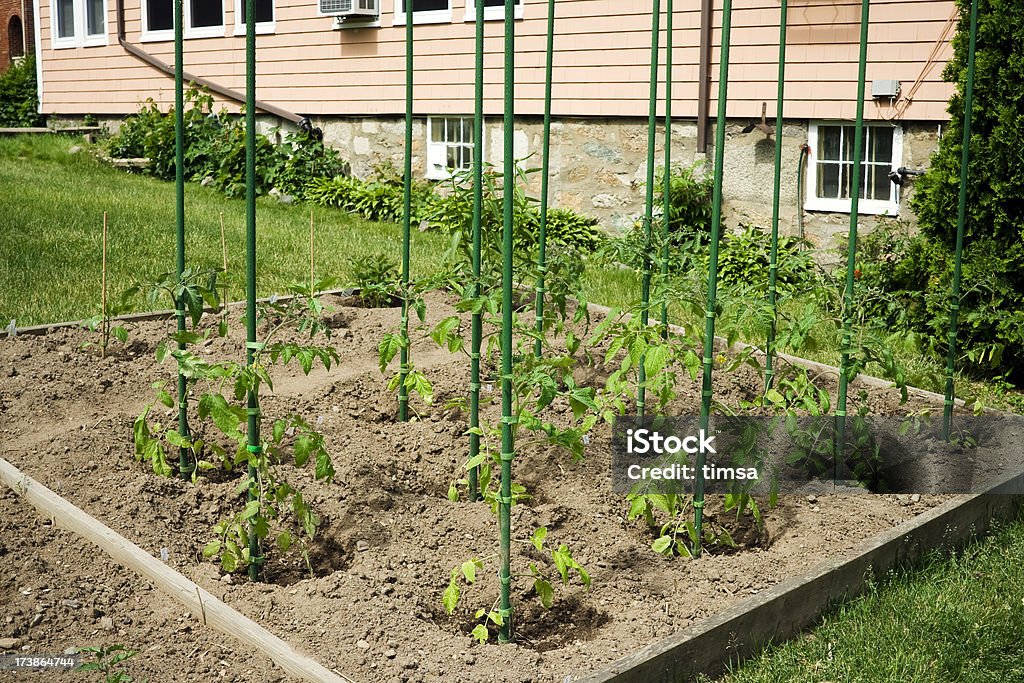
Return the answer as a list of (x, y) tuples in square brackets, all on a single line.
[(311, 280), (224, 251), (103, 293)]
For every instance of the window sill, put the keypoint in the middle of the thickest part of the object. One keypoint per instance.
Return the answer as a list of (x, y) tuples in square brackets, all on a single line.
[(426, 18), (494, 14), (868, 207), (190, 34), (262, 28)]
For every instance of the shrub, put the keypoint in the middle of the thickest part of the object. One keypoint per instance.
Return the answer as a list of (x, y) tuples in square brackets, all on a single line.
[(19, 96), (689, 210), (215, 149)]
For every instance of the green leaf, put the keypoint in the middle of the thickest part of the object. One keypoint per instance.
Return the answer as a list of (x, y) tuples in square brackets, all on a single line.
[(538, 536), (545, 592), (450, 599), (453, 493), (252, 508), (304, 446), (662, 545), (388, 348), (211, 549), (324, 466), (469, 568), (481, 633)]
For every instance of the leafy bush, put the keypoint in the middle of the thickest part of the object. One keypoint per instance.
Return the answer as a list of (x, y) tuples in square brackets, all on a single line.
[(19, 96), (379, 198), (744, 257), (689, 209), (919, 270), (215, 149)]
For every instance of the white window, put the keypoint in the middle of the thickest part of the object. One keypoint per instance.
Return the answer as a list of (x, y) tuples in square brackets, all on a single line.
[(265, 17), (450, 146), (424, 11), (79, 23), (203, 19), (493, 9), (831, 167)]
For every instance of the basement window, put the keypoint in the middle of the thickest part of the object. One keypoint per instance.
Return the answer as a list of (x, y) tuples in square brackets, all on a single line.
[(450, 146), (830, 167)]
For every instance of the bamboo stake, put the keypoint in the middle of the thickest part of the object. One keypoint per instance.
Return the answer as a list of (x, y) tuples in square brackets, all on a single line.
[(666, 198), (404, 368), (311, 257), (545, 172), (185, 466), (103, 292)]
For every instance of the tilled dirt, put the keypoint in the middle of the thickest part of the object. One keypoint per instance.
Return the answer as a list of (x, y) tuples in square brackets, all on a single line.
[(390, 537)]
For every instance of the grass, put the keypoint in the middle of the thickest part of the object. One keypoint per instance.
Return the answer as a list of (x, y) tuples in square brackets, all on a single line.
[(50, 248), (951, 620), (51, 233)]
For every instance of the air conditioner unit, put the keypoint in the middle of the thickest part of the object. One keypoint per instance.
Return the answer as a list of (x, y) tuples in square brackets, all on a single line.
[(348, 9)]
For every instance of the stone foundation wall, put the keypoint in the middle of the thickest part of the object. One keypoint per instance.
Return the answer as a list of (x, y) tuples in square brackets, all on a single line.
[(598, 166)]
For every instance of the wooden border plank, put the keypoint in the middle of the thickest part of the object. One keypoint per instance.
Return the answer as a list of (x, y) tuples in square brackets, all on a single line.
[(211, 611), (784, 610)]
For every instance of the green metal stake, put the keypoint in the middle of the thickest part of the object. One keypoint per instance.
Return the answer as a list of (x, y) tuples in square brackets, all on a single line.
[(851, 247), (645, 283), (507, 420), (716, 230), (403, 391), (545, 169), (407, 217), (666, 191), (773, 258), (185, 466), (254, 445), (961, 217), (476, 326)]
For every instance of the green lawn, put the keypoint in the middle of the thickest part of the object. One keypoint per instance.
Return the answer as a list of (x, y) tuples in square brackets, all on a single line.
[(955, 620), (51, 217)]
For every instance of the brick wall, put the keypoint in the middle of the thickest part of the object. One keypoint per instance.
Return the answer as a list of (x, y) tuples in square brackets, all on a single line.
[(12, 9)]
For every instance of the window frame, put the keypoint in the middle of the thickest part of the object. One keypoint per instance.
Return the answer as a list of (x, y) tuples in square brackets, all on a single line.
[(812, 202), (438, 16), (79, 36), (161, 35), (492, 13), (262, 27), (429, 172)]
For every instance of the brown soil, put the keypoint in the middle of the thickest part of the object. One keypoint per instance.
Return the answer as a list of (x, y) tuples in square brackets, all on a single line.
[(390, 537)]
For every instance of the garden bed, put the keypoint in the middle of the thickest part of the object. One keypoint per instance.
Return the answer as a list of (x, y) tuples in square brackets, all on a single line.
[(390, 535)]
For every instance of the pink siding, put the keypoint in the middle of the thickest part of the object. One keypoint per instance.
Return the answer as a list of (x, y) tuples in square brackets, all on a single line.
[(601, 62)]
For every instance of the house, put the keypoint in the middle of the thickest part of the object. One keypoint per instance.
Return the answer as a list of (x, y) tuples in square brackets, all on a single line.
[(17, 31), (103, 57)]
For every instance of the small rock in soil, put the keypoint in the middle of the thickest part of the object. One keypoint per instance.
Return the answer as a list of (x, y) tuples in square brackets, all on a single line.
[(362, 644), (812, 499), (915, 498), (107, 624), (390, 653), (362, 546), (70, 604), (9, 643)]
